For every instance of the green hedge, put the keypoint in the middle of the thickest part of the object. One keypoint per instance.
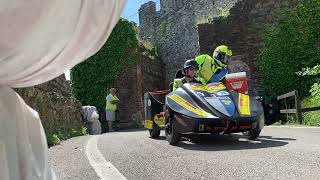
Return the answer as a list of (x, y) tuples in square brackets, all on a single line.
[(315, 71), (311, 118), (292, 45), (91, 79)]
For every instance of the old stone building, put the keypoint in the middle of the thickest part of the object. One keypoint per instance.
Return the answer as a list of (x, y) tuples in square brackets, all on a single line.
[(144, 76), (243, 30), (183, 29), (173, 30)]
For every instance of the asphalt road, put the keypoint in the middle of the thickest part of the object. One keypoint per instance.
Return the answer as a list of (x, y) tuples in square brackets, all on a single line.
[(279, 153)]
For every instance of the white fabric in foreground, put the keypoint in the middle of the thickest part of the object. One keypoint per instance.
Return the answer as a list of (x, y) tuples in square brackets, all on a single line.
[(39, 41), (23, 144), (42, 39)]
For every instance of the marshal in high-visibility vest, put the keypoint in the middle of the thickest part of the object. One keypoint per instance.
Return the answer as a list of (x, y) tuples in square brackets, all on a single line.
[(213, 69), (111, 106)]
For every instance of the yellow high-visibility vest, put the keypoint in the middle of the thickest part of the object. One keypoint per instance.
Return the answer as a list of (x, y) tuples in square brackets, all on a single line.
[(207, 67), (110, 106)]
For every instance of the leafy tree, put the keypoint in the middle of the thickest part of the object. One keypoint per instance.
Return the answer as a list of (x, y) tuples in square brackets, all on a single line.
[(91, 79), (292, 45), (315, 88)]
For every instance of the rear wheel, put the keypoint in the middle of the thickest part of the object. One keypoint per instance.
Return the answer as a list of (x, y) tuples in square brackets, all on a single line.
[(254, 133), (154, 133), (171, 134)]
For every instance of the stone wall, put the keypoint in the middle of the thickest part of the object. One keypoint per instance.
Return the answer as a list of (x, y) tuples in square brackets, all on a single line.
[(53, 101), (173, 30), (243, 31), (146, 75)]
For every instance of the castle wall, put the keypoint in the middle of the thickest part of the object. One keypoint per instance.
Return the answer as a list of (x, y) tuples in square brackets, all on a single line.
[(243, 31), (175, 33), (146, 75)]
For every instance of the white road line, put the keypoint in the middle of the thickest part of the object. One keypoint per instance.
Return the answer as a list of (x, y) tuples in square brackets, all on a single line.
[(105, 170), (294, 127)]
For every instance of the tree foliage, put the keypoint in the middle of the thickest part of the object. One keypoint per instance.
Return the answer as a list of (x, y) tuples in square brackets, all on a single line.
[(294, 44), (91, 79), (315, 88)]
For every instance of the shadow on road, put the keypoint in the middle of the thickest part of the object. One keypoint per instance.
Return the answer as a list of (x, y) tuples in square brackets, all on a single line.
[(280, 139), (233, 142), (160, 138), (130, 130)]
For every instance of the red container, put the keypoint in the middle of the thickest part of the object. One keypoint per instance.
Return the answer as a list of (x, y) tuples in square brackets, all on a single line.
[(237, 82)]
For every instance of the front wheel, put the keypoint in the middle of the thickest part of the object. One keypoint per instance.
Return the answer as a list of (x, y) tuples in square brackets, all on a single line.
[(171, 135), (154, 133), (254, 133)]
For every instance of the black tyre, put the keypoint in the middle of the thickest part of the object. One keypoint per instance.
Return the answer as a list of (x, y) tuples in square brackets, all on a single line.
[(253, 134), (171, 135), (154, 133)]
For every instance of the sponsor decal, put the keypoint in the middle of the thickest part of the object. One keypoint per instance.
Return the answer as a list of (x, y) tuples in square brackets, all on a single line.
[(198, 87), (237, 85), (190, 107), (224, 98), (244, 104), (200, 94), (226, 102), (213, 95), (148, 124), (207, 128), (159, 119), (215, 87), (223, 93), (211, 88)]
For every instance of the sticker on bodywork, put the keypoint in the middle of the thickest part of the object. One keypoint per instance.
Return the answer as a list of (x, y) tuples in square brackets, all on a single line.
[(228, 105), (244, 104), (182, 102), (215, 87), (223, 93), (211, 88), (148, 124), (198, 87), (159, 119)]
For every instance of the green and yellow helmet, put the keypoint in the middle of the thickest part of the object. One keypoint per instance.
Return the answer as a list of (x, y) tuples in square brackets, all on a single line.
[(221, 53)]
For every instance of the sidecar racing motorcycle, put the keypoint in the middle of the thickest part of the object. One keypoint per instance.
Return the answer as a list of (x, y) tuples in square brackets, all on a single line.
[(213, 108)]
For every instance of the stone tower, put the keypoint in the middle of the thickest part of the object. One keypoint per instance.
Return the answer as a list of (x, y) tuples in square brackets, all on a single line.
[(147, 19)]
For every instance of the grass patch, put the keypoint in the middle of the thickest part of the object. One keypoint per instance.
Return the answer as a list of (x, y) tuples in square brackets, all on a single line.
[(291, 122), (55, 137), (311, 118)]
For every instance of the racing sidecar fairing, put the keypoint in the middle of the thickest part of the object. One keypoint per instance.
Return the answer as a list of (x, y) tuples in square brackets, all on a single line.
[(195, 108)]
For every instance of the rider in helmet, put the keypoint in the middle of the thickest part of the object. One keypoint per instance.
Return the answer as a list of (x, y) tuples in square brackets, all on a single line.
[(189, 72), (213, 69)]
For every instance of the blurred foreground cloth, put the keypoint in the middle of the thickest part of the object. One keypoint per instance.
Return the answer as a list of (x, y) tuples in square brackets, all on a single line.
[(40, 40)]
